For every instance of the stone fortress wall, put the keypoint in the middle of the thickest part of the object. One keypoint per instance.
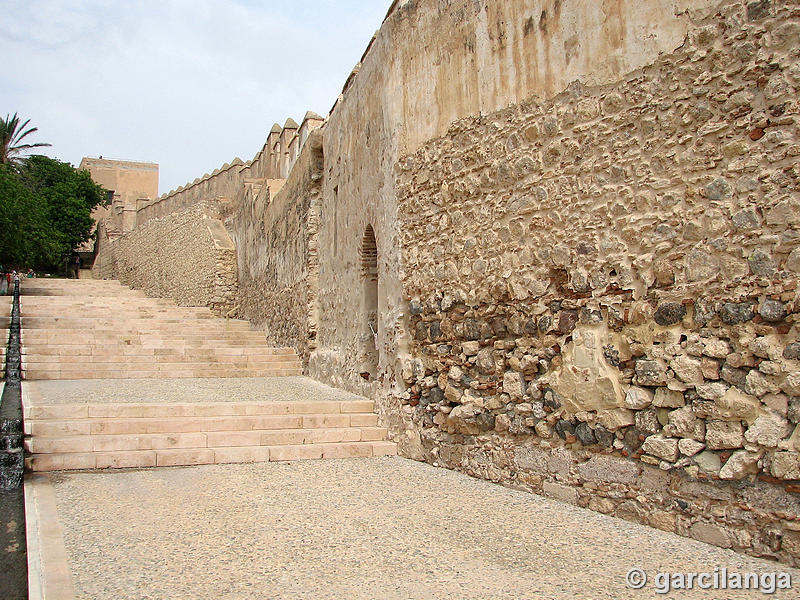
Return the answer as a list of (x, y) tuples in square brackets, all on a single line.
[(574, 228)]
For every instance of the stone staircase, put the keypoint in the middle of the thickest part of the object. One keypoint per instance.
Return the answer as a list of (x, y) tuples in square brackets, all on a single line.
[(96, 329), (125, 435), (113, 379)]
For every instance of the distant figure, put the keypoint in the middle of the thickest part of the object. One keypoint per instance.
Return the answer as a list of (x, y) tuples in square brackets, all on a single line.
[(30, 274), (4, 279), (76, 266)]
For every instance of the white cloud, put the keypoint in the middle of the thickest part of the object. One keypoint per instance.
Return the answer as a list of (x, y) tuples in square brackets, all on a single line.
[(186, 83)]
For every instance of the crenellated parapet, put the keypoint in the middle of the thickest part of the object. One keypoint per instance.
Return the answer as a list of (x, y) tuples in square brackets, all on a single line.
[(273, 162)]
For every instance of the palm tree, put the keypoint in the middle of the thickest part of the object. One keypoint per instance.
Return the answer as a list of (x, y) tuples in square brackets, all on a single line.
[(11, 134)]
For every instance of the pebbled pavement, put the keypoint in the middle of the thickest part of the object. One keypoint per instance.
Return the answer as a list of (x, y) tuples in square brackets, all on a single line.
[(386, 528)]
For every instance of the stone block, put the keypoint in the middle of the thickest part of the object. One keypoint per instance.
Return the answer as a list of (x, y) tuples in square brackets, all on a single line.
[(370, 420), (768, 430), (313, 421), (609, 469), (233, 438), (560, 492), (304, 452), (662, 447), (189, 456), (723, 435), (126, 459), (666, 398), (710, 533), (241, 455), (63, 462)]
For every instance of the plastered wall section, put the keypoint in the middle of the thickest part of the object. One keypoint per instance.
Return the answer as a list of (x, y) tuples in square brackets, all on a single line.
[(276, 238), (603, 292), (186, 255)]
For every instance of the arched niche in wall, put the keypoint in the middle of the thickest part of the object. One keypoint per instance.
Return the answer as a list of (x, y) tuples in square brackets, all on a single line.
[(369, 304)]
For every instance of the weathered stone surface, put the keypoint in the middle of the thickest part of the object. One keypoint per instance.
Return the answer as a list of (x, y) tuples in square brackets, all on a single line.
[(585, 434), (758, 10), (513, 384), (666, 398), (735, 405), (762, 264), (560, 492), (786, 465), (792, 351), (721, 435), (531, 459), (650, 372), (470, 348), (710, 534), (737, 312), (669, 313), (683, 423), (608, 469), (604, 437), (716, 348), (768, 430), (647, 420), (712, 390), (772, 311), (719, 189), (758, 384), (791, 383), (687, 369), (616, 418), (662, 447), (637, 398), (739, 465), (690, 447), (708, 461)]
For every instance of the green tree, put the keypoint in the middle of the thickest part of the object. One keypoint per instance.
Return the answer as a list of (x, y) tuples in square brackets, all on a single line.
[(26, 236), (11, 135), (45, 212)]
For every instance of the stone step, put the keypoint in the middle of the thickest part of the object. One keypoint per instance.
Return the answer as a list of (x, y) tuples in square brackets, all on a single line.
[(159, 367), (197, 456), (105, 410), (143, 324), (150, 350), (120, 311), (127, 353), (175, 371), (194, 424), (102, 330), (223, 439), (95, 338)]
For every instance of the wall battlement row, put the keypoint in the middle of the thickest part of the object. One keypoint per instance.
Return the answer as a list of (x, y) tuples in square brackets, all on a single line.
[(274, 162)]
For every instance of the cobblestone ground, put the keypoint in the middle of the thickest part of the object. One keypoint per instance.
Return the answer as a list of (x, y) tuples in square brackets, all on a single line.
[(357, 528)]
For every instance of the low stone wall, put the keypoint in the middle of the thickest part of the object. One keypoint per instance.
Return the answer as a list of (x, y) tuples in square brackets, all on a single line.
[(186, 255), (603, 290)]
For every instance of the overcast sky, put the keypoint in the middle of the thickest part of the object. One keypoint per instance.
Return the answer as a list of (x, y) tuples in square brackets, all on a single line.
[(189, 84)]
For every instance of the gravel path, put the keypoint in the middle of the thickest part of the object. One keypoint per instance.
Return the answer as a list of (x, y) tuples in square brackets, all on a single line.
[(356, 529), (98, 391)]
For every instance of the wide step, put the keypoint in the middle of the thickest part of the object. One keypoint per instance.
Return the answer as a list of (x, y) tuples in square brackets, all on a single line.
[(102, 330), (127, 435)]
